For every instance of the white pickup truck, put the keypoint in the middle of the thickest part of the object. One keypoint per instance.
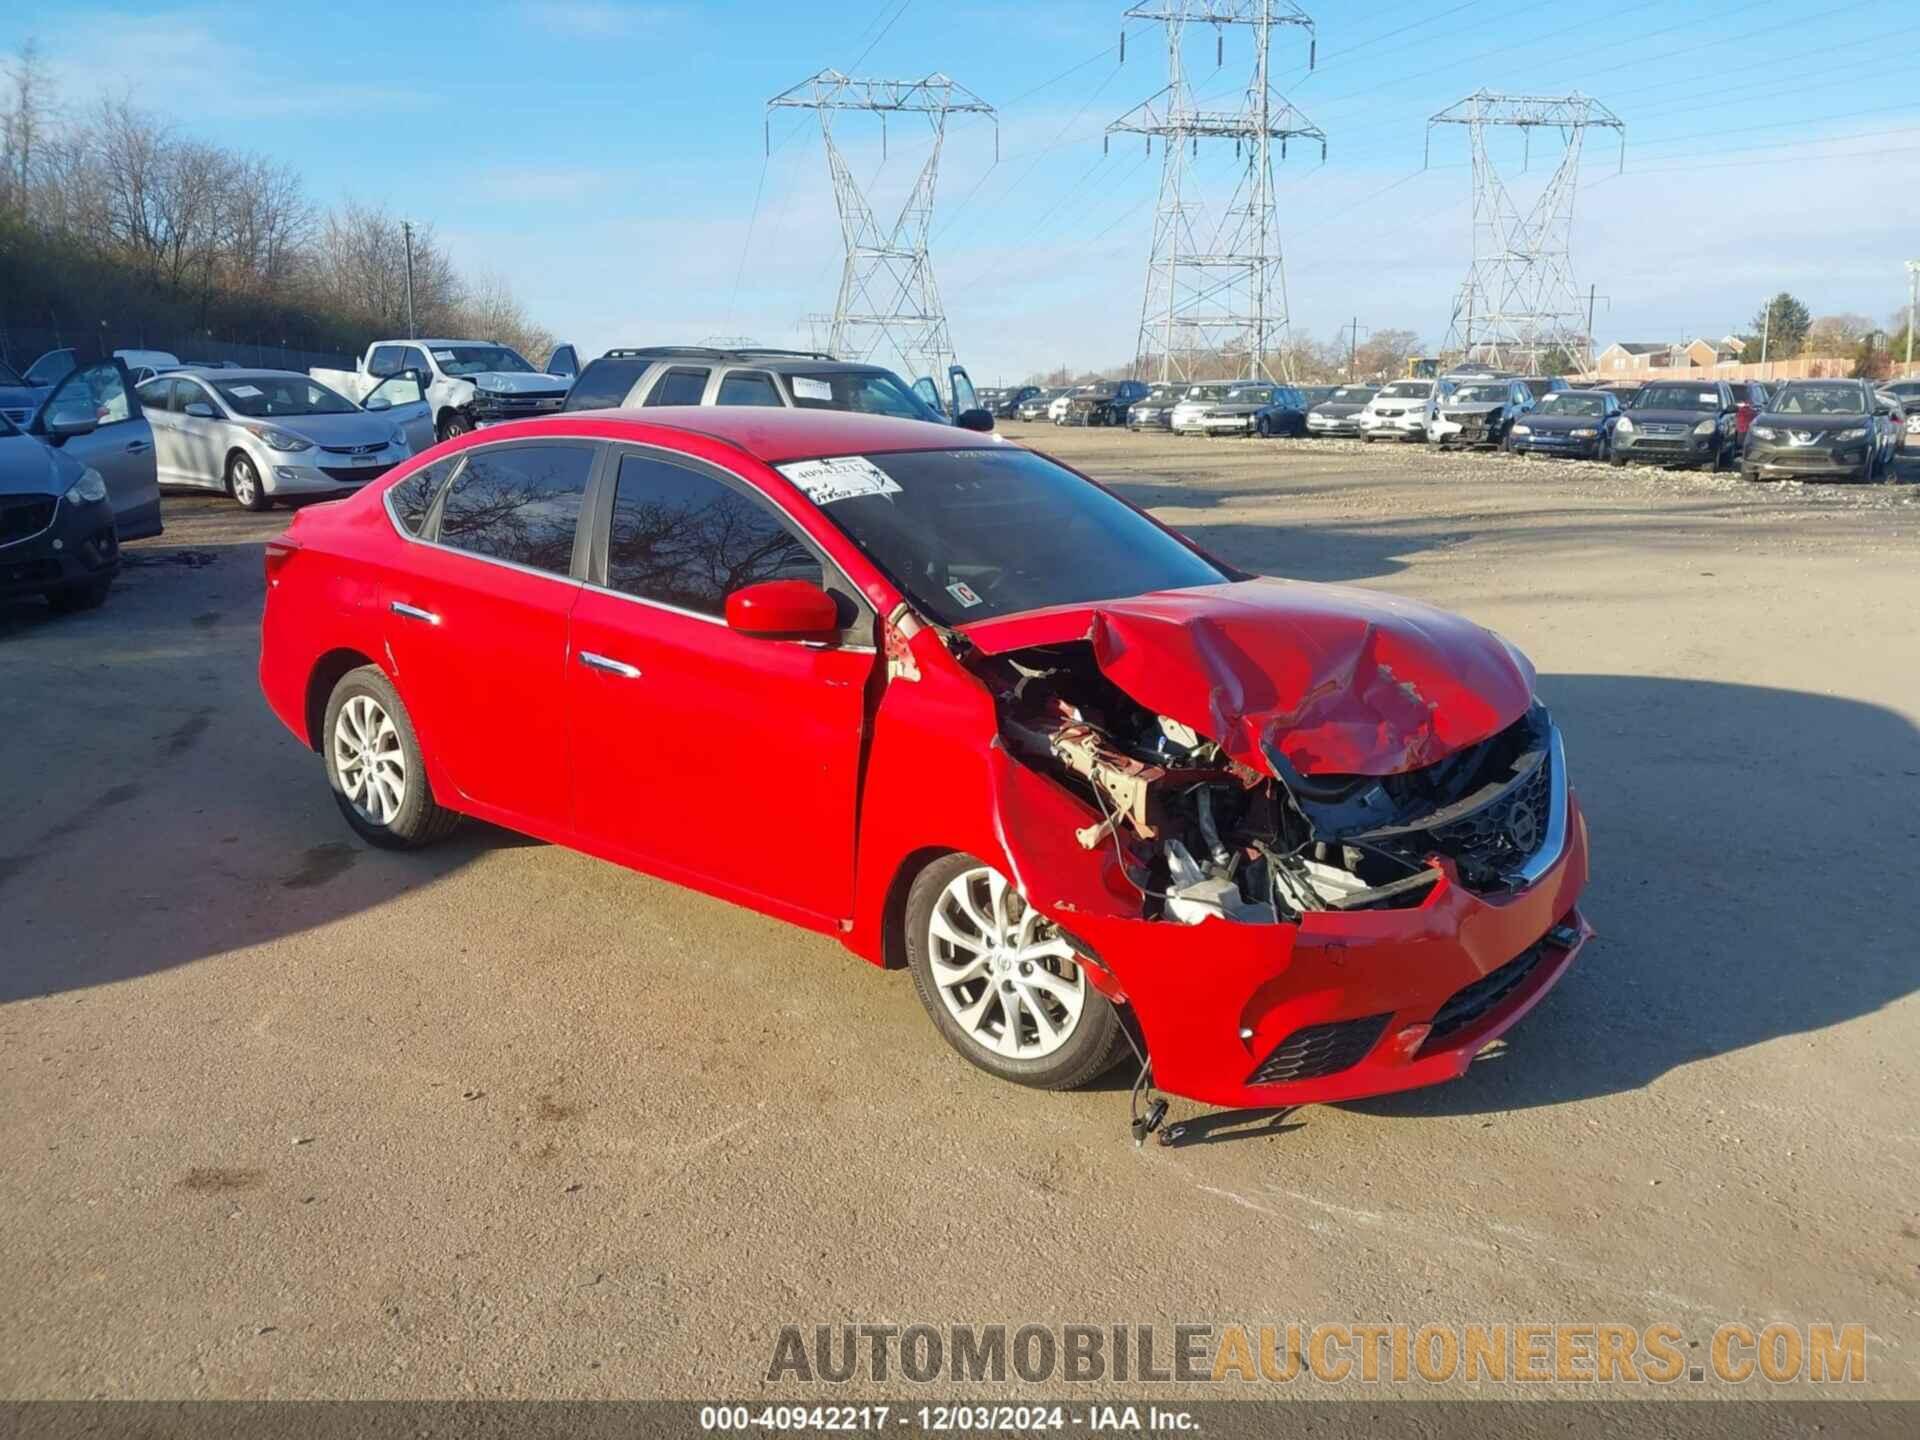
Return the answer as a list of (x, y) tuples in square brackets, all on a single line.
[(469, 383)]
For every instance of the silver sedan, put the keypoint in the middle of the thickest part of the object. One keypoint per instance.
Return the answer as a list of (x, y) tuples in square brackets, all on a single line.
[(262, 435)]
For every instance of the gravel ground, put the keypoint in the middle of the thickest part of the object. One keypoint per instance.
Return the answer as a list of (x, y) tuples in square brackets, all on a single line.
[(283, 1116)]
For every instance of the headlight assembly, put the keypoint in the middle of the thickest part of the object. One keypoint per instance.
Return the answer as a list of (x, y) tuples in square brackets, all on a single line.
[(1706, 427), (1858, 432), (280, 439), (1764, 432), (1583, 434), (89, 489), (1528, 430), (1625, 427)]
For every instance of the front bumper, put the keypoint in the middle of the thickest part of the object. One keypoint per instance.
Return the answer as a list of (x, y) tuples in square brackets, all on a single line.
[(1346, 1005), (485, 410), (1151, 420), (1643, 449), (1556, 442), (1393, 427), (309, 472), (78, 545), (1442, 431), (1772, 459), (1226, 424), (1333, 425)]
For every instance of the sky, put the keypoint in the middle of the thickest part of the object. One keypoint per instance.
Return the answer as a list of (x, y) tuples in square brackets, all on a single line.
[(609, 160)]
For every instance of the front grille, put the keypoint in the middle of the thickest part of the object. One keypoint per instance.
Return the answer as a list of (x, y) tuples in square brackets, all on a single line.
[(519, 404), (24, 516), (1318, 1050), (1505, 834), (372, 449), (354, 474), (1472, 1002)]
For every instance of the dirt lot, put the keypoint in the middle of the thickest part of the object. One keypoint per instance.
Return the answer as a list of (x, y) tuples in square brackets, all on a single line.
[(284, 1116)]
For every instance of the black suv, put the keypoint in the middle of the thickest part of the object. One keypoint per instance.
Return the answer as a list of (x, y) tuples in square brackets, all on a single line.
[(1816, 428), (796, 379), (1104, 403), (1006, 403), (1679, 422)]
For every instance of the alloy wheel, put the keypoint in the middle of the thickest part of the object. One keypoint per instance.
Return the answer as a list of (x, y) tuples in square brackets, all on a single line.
[(369, 759), (246, 483), (1002, 969)]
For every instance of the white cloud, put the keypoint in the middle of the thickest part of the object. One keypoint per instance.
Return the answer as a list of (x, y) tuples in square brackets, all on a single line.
[(186, 70)]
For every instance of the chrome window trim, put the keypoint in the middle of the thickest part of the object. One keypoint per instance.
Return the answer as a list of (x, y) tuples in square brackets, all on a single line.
[(386, 504)]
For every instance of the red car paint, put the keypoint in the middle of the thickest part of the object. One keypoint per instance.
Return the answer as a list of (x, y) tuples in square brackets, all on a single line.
[(882, 759)]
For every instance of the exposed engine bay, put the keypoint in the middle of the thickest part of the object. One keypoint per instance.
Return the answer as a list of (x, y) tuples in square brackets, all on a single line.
[(1201, 834)]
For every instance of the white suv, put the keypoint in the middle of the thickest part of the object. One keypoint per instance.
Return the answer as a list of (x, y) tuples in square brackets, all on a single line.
[(1398, 412)]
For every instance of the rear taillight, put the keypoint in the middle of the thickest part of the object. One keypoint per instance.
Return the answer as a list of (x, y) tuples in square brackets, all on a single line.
[(279, 551)]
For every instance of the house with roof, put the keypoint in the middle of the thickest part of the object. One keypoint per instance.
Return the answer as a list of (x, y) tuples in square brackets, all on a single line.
[(1623, 357)]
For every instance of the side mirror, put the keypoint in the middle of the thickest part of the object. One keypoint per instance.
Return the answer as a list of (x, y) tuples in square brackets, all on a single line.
[(200, 410), (975, 420), (66, 427), (784, 610), (379, 402)]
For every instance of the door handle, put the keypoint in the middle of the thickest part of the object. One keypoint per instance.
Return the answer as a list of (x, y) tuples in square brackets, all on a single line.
[(413, 612), (138, 447), (609, 666)]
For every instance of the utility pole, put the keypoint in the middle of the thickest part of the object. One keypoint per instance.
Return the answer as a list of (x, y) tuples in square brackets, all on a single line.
[(1216, 287), (406, 233), (1766, 331), (1518, 303), (887, 291), (1353, 346), (1913, 300)]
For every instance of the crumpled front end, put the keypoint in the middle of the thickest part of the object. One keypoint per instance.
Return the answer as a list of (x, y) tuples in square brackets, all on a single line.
[(1332, 881)]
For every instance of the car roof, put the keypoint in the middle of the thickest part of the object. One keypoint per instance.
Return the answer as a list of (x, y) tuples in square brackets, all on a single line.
[(221, 373), (775, 434)]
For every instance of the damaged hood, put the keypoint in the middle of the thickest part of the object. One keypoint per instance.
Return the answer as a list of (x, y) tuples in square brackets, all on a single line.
[(1341, 680)]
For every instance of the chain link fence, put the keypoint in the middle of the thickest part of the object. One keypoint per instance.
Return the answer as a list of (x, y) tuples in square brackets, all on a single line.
[(20, 346)]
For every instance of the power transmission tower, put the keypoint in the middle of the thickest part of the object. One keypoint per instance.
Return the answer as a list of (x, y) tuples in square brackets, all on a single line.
[(1518, 304), (887, 292), (1216, 302)]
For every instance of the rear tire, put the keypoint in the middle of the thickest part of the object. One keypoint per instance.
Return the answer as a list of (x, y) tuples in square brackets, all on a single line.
[(973, 997), (1615, 459), (374, 765)]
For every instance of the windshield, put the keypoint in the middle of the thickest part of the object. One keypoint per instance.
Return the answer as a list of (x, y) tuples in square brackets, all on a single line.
[(864, 392), (974, 534), (1350, 395), (1677, 397), (1407, 390), (261, 396), (479, 359), (53, 366), (1820, 400), (1563, 402), (1208, 392), (1250, 395), (1481, 395), (1162, 395)]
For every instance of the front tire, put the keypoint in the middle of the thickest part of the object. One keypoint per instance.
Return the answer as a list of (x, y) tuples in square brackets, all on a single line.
[(452, 425), (1002, 984), (71, 599), (374, 766), (245, 485)]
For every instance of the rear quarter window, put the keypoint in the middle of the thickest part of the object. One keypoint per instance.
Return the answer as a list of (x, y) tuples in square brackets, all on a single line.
[(605, 383), (411, 499)]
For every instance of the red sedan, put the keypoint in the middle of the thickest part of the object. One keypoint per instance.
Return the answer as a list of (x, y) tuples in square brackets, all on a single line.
[(968, 711)]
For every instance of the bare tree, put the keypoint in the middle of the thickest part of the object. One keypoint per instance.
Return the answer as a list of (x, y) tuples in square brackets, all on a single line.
[(24, 124)]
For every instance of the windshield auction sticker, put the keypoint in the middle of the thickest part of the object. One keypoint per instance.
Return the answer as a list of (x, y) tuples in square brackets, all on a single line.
[(844, 477)]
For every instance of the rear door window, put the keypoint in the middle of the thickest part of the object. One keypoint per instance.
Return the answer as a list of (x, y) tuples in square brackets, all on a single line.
[(606, 383), (519, 503), (748, 387), (682, 385)]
